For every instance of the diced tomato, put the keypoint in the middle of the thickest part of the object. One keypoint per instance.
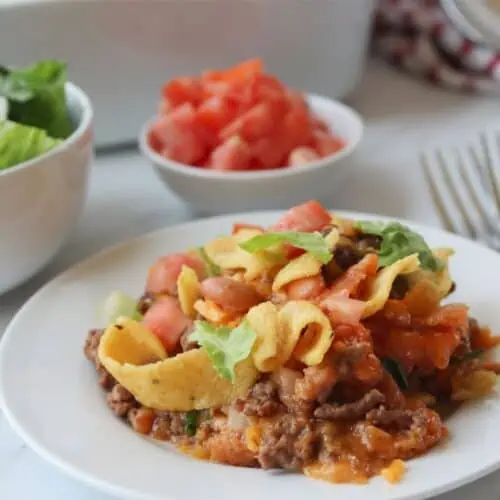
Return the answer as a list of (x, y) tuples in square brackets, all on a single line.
[(341, 309), (162, 276), (167, 321), (238, 73), (440, 346), (203, 163), (319, 124), (267, 88), (165, 107), (200, 116), (449, 316), (296, 122), (306, 288), (255, 164), (302, 156), (271, 151), (154, 140), (255, 123), (292, 252), (233, 154), (308, 217), (181, 90), (238, 226), (326, 144), (241, 95), (216, 112), (211, 88), (351, 280), (179, 134)]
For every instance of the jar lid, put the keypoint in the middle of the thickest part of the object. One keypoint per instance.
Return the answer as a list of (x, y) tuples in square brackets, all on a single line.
[(478, 20)]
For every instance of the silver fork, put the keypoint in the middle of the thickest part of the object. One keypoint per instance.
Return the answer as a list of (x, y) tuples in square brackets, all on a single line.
[(464, 184)]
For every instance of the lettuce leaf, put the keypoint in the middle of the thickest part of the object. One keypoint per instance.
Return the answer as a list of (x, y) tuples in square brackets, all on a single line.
[(225, 347), (399, 241), (119, 304), (36, 96), (312, 243), (212, 268), (4, 108), (19, 143)]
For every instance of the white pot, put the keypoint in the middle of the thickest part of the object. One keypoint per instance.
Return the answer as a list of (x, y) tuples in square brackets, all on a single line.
[(122, 52)]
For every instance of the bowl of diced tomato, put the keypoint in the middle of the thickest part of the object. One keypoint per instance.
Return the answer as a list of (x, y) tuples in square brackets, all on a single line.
[(240, 139)]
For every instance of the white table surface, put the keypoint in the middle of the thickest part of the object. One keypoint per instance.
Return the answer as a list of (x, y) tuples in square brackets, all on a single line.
[(126, 199)]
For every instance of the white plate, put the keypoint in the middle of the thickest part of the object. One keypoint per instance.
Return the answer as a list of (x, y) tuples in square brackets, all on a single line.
[(50, 395)]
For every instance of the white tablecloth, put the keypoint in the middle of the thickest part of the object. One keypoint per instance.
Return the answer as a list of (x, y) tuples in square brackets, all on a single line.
[(126, 199)]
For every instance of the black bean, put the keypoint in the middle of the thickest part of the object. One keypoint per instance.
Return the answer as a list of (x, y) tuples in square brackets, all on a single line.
[(346, 256)]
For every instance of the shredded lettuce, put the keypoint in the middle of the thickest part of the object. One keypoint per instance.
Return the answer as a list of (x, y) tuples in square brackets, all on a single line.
[(226, 347), (399, 241), (119, 304), (4, 108), (212, 268), (313, 243), (36, 96), (19, 143)]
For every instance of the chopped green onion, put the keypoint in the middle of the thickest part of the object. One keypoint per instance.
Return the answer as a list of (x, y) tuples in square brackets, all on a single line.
[(475, 353), (396, 371), (191, 423)]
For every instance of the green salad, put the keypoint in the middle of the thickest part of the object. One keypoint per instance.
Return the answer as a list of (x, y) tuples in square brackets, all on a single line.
[(33, 113)]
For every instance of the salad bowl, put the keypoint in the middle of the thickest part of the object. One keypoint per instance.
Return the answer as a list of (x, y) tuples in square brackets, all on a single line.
[(42, 198)]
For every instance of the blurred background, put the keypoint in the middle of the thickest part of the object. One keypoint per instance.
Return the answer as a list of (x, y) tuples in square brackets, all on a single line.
[(121, 52)]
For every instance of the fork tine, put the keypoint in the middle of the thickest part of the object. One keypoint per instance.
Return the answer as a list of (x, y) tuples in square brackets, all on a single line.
[(469, 225), (492, 158), (464, 169), (443, 213), (484, 180)]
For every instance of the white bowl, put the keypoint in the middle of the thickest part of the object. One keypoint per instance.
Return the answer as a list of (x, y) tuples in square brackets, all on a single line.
[(41, 199), (219, 192)]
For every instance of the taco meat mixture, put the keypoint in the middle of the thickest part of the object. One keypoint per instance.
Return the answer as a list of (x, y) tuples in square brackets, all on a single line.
[(378, 396)]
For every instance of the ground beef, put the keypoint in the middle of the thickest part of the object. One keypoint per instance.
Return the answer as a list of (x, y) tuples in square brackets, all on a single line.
[(350, 411), (392, 419), (91, 346), (161, 425), (120, 400), (289, 443), (145, 302), (262, 400), (317, 383), (347, 357), (466, 335), (426, 431), (168, 424), (399, 288)]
